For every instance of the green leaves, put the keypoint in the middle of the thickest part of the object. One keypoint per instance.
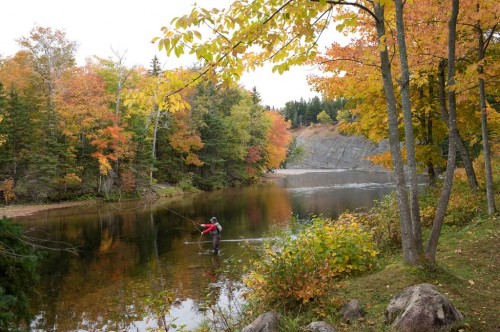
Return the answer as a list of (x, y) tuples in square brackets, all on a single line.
[(246, 35), (306, 266), (18, 261), (281, 68)]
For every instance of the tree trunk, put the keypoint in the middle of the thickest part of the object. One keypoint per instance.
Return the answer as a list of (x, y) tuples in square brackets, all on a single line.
[(450, 167), (408, 125), (153, 147), (429, 138), (430, 166), (462, 148), (410, 255), (490, 197)]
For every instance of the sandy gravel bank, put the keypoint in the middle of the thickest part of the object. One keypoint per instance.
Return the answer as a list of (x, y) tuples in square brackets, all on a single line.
[(26, 210)]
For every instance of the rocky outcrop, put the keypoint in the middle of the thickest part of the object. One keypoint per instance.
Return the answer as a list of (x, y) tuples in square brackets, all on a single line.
[(270, 322), (267, 322), (421, 308), (325, 147), (352, 311), (319, 327)]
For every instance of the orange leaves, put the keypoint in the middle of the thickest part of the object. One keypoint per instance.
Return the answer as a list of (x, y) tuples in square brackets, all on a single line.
[(278, 140), (382, 159), (17, 73), (186, 139), (111, 144), (83, 105), (254, 155), (82, 102), (7, 190)]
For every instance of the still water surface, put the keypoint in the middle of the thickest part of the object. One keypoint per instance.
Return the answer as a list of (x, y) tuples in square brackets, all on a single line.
[(130, 252)]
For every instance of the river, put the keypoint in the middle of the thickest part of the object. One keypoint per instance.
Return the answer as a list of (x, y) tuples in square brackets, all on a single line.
[(130, 252)]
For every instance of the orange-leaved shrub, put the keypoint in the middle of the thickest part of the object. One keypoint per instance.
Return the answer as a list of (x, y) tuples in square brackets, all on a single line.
[(303, 267), (7, 190)]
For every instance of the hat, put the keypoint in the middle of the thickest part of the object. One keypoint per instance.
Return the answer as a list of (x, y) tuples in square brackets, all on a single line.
[(213, 219)]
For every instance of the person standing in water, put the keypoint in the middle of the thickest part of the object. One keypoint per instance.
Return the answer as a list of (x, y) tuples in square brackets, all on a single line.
[(214, 228)]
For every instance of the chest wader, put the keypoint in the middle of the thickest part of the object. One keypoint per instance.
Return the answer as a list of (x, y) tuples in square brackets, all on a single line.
[(215, 241)]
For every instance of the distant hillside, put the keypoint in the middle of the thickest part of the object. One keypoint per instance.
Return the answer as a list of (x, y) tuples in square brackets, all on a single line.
[(325, 147)]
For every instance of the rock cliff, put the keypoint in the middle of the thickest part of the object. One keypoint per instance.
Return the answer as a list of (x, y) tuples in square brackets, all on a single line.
[(325, 147)]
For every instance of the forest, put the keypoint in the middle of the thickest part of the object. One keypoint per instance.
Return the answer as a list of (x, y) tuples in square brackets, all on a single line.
[(105, 130)]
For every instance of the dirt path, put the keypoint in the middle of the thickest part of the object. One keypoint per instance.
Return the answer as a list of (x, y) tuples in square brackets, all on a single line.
[(26, 210)]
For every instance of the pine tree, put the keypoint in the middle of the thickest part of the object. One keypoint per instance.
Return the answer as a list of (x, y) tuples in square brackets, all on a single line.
[(155, 67)]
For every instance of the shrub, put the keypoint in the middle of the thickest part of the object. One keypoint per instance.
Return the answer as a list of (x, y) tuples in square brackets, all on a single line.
[(464, 204), (186, 184), (495, 164), (323, 117), (7, 190), (18, 261), (128, 181), (299, 268), (382, 220)]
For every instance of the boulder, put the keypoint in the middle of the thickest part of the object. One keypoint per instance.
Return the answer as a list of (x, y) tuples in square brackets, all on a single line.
[(267, 322), (352, 311), (319, 327), (421, 308)]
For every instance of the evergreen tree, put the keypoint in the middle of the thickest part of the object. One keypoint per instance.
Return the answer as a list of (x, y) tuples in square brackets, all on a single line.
[(16, 129), (155, 67), (18, 261), (314, 107), (256, 99)]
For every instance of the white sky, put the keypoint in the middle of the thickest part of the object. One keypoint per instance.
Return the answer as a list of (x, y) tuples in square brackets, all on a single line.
[(129, 26)]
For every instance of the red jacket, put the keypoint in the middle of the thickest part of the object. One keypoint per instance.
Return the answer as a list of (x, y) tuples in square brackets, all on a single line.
[(210, 228)]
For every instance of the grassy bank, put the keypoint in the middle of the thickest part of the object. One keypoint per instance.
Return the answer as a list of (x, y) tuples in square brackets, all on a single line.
[(468, 274), (468, 270)]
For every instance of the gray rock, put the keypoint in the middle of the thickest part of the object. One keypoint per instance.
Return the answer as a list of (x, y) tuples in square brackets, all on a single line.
[(319, 327), (352, 311), (421, 308), (325, 147), (267, 322)]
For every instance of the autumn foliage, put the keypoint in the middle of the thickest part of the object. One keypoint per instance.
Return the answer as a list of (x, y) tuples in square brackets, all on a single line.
[(307, 266), (105, 129), (278, 139)]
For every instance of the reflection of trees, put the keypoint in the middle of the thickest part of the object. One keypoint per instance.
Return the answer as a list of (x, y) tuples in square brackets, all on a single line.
[(131, 252), (120, 265)]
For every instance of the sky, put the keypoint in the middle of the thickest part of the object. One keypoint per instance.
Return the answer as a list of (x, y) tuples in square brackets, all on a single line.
[(101, 26)]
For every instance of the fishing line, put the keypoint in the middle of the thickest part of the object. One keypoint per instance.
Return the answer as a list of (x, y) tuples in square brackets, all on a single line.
[(180, 215), (142, 206)]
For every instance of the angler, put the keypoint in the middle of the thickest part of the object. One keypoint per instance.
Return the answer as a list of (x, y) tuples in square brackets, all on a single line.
[(214, 228)]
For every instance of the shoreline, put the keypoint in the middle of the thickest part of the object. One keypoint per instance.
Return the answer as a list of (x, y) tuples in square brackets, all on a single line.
[(23, 210), (14, 211)]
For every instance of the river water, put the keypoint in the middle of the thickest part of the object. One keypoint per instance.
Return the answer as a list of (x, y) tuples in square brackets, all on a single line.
[(129, 253)]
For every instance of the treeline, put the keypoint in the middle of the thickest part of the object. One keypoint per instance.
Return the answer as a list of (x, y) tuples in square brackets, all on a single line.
[(104, 129), (304, 113)]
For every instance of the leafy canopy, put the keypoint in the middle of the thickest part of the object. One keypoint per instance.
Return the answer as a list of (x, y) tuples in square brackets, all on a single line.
[(243, 36)]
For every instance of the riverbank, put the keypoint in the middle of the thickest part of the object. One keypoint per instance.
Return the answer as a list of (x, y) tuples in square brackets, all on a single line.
[(13, 211), (469, 266), (22, 210)]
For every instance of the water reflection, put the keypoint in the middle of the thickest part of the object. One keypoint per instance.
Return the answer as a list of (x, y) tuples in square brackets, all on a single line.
[(130, 252), (330, 193)]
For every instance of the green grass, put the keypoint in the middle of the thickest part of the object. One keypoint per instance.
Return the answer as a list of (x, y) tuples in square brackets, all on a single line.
[(468, 274)]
